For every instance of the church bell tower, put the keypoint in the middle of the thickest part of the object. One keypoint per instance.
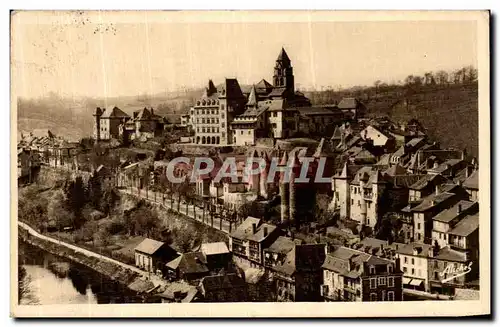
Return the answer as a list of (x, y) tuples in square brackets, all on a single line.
[(283, 73)]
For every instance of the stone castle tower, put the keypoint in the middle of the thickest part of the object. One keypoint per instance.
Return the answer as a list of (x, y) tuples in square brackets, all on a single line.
[(284, 190), (97, 123)]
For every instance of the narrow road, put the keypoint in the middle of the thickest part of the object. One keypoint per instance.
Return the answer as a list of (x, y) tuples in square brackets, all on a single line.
[(153, 278), (191, 208)]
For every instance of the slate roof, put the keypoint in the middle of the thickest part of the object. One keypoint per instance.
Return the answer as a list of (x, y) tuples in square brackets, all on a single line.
[(245, 230), (145, 114), (426, 180), (231, 87), (214, 248), (405, 180), (449, 254), (188, 292), (283, 55), (473, 181), (414, 142), (396, 169), (317, 110), (189, 263), (283, 245), (407, 249), (466, 226), (254, 111), (218, 282), (338, 261), (432, 201), (277, 92), (448, 215), (263, 86), (252, 98), (114, 113), (149, 246)]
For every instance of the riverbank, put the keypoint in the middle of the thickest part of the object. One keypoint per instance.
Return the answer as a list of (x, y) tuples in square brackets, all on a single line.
[(128, 276)]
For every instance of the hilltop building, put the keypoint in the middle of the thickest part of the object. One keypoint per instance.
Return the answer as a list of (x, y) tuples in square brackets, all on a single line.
[(225, 115)]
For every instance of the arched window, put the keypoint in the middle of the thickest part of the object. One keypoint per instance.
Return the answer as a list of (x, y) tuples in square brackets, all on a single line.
[(203, 141), (197, 103), (197, 140), (213, 139)]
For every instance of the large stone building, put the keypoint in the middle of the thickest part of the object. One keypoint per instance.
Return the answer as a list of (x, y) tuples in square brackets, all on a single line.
[(225, 115)]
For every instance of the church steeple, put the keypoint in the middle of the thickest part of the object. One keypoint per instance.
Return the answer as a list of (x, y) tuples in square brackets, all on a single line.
[(252, 98), (283, 73)]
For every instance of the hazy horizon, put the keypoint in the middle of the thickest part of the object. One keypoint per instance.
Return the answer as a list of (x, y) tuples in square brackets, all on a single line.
[(108, 54)]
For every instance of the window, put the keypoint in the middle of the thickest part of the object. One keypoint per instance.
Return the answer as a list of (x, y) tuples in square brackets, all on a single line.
[(352, 202), (436, 275), (390, 296), (381, 280), (249, 132), (418, 226), (405, 269), (418, 236), (222, 107), (275, 114), (373, 283), (413, 271), (355, 190), (222, 125), (412, 261), (406, 259), (373, 297), (390, 281), (372, 270), (359, 203), (390, 269)]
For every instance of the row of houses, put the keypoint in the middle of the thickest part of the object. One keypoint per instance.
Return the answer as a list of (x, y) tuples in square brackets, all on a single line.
[(393, 174)]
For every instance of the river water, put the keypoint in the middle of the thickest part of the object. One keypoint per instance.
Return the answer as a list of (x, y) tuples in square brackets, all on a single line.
[(75, 285)]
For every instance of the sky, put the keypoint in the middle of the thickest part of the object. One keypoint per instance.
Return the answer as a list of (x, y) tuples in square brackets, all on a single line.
[(99, 54)]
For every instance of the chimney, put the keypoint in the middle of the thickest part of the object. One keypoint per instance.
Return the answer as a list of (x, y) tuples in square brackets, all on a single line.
[(265, 231), (254, 228), (459, 208), (437, 190)]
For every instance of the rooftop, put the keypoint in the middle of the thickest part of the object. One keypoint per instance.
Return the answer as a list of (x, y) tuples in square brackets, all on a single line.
[(466, 226), (218, 282), (432, 201), (214, 248), (149, 246), (448, 215), (473, 181)]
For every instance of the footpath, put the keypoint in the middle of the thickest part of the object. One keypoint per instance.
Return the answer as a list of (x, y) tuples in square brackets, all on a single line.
[(156, 280)]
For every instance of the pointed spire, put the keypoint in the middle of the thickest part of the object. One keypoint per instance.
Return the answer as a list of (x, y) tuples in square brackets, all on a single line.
[(283, 56), (211, 89), (319, 148), (252, 98)]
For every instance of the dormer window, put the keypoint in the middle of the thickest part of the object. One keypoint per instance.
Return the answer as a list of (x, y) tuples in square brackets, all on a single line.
[(372, 270), (390, 269)]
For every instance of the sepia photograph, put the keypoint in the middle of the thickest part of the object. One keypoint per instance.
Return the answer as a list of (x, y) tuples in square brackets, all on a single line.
[(234, 163)]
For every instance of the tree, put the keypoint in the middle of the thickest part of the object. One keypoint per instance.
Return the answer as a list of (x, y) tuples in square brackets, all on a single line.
[(442, 77), (59, 213), (76, 194), (142, 220)]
